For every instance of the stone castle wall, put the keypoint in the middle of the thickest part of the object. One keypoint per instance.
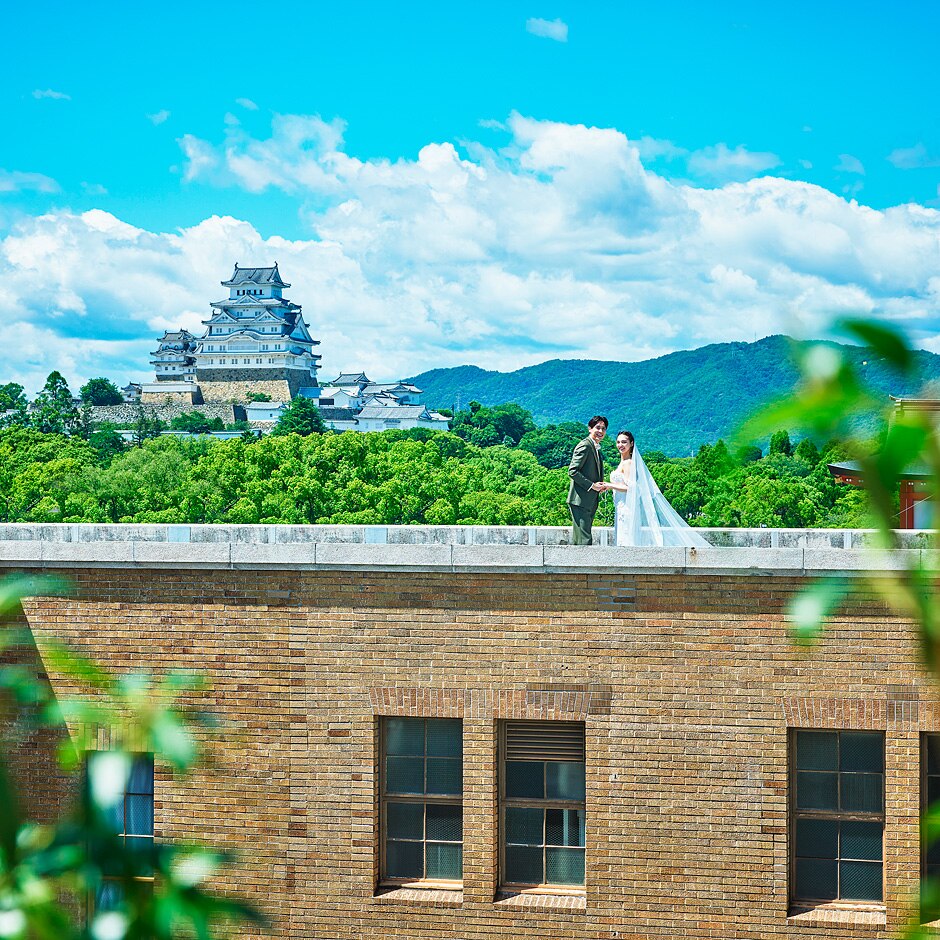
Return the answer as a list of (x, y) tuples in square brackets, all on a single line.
[(688, 685), (235, 384), (125, 415)]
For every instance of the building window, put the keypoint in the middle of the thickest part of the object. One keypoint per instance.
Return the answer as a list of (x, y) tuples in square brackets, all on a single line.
[(422, 804), (130, 818), (542, 805), (837, 794), (930, 853)]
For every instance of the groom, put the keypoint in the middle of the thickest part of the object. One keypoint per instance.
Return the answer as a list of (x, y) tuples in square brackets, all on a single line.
[(587, 481)]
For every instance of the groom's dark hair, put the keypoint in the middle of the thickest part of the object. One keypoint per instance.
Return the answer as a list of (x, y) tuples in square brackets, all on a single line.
[(598, 419)]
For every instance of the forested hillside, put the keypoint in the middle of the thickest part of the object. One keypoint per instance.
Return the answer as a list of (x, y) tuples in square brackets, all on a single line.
[(674, 403)]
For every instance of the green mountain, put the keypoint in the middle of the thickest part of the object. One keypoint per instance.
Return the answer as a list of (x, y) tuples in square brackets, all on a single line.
[(673, 403)]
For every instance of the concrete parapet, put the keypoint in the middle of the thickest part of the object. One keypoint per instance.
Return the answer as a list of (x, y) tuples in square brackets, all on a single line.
[(427, 548)]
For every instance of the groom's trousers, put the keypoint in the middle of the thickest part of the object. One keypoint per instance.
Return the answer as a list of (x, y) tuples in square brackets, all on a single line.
[(582, 519)]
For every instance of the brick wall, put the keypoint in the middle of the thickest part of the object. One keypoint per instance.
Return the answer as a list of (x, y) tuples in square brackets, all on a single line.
[(687, 685)]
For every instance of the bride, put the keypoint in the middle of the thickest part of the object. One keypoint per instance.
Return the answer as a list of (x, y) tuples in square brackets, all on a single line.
[(643, 515)]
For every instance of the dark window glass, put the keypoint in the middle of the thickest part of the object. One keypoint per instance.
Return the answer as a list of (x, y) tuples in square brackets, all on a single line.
[(543, 803), (838, 821), (930, 855), (422, 812), (131, 819)]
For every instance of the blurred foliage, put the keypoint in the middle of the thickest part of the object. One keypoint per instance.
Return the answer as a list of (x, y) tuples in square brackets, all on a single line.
[(50, 871), (835, 394)]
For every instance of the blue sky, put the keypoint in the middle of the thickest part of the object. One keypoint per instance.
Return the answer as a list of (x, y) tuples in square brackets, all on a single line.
[(202, 134)]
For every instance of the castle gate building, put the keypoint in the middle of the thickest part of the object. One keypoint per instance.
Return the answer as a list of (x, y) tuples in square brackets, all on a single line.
[(479, 733)]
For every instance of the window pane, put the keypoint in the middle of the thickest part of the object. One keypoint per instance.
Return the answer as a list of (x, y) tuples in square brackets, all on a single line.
[(444, 737), (524, 826), (404, 775), (523, 865), (564, 780), (817, 791), (932, 855), (933, 753), (862, 792), (141, 846), (141, 780), (861, 750), (404, 736), (108, 896), (114, 817), (445, 775), (860, 881), (564, 866), (140, 815), (445, 823), (817, 750), (404, 859), (817, 838), (861, 840), (404, 820), (933, 789), (564, 827), (525, 778), (445, 861), (816, 879)]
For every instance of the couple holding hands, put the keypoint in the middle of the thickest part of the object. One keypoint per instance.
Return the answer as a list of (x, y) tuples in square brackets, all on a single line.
[(642, 515)]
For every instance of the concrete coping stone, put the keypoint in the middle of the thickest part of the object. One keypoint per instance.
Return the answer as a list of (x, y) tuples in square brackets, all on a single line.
[(782, 552)]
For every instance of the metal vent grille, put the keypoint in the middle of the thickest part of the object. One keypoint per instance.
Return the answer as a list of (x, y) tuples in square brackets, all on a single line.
[(545, 740)]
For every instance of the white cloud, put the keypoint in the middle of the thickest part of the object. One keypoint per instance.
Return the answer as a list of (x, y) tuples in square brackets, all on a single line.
[(913, 158), (94, 189), (547, 29), (158, 117), (722, 164), (49, 93), (806, 164), (246, 103), (561, 244), (13, 181), (849, 164)]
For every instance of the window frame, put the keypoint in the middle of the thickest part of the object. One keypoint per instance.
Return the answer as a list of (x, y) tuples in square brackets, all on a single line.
[(794, 814), (504, 802), (421, 799), (91, 899), (926, 916)]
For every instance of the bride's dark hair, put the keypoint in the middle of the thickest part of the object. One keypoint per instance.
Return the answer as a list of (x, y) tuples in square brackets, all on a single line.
[(628, 434)]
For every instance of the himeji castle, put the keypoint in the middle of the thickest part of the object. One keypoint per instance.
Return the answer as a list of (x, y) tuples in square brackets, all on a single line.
[(255, 340), (255, 344)]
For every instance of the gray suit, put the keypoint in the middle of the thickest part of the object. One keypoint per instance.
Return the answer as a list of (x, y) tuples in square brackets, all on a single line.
[(586, 468)]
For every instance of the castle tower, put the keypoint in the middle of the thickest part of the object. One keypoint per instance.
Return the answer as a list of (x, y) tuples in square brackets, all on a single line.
[(255, 341), (173, 359)]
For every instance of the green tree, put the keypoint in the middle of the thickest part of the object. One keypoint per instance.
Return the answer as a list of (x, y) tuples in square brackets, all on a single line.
[(808, 451), (258, 396), (100, 391), (780, 443), (301, 416), (193, 422), (146, 426), (13, 405), (54, 412)]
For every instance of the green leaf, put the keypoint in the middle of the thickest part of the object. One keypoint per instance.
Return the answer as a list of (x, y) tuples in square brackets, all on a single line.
[(884, 340), (810, 608)]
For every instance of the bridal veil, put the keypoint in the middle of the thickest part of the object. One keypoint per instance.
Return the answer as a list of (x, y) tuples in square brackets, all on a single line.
[(644, 516)]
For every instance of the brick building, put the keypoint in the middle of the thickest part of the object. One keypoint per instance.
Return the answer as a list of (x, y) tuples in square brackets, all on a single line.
[(472, 733)]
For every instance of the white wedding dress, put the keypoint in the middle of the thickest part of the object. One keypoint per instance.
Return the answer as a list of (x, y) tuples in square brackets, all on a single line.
[(642, 515)]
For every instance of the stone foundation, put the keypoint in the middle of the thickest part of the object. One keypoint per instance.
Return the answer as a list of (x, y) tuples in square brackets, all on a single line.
[(235, 384), (125, 416)]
